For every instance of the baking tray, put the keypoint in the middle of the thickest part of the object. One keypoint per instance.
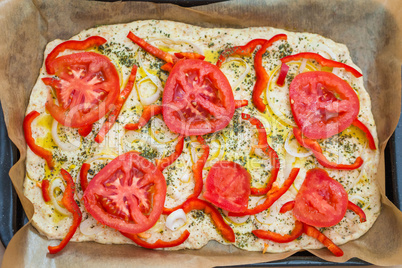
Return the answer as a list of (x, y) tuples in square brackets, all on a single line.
[(12, 216)]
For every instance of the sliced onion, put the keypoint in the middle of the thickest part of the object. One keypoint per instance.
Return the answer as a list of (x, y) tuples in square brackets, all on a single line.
[(273, 210), (154, 79), (289, 160), (275, 110), (169, 41), (176, 220), (336, 71), (90, 227), (355, 198), (150, 99), (168, 135), (195, 154), (327, 50), (302, 65), (360, 175), (290, 151), (237, 220), (57, 184), (185, 178), (66, 146), (243, 75)]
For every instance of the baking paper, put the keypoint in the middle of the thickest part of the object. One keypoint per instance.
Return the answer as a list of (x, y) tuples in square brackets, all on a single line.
[(371, 30)]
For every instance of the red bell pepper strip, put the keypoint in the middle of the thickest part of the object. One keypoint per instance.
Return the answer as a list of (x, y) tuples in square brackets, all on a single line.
[(263, 144), (287, 207), (45, 190), (315, 147), (111, 119), (152, 50), (198, 167), (167, 161), (159, 243), (274, 194), (356, 209), (189, 55), (221, 225), (84, 176), (321, 60), (313, 232), (246, 50), (84, 131), (197, 171), (240, 103), (69, 203), (167, 67), (148, 112), (282, 75), (39, 151), (359, 124), (296, 232), (261, 74), (74, 45)]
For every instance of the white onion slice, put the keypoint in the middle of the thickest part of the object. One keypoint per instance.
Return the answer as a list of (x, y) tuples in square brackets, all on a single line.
[(150, 99), (270, 218), (355, 198), (237, 220), (336, 71), (90, 227), (195, 154), (289, 160), (100, 156), (290, 150), (303, 65), (155, 80), (66, 146), (55, 184), (176, 220), (169, 41), (274, 109), (185, 178), (243, 75), (327, 50), (168, 136)]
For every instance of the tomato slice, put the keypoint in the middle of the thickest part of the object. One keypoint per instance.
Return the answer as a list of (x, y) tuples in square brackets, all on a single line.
[(197, 98), (322, 104), (228, 186), (321, 200), (127, 195), (86, 88)]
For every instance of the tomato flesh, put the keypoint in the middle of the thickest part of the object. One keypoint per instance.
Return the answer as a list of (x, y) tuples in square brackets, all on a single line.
[(127, 195), (197, 98), (86, 88), (321, 200), (228, 186), (322, 104)]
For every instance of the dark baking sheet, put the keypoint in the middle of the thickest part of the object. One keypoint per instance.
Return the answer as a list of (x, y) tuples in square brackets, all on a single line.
[(12, 216)]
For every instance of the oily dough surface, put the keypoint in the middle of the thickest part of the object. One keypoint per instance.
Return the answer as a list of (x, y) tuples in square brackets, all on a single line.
[(234, 143)]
